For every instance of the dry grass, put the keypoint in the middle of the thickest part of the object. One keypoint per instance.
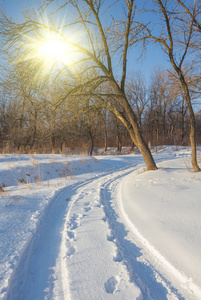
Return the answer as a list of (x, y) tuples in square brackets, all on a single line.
[(83, 160), (21, 181), (1, 189), (27, 180), (141, 170), (13, 200), (38, 175), (3, 192)]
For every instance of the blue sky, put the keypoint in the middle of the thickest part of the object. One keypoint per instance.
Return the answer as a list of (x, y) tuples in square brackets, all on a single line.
[(14, 7), (152, 60)]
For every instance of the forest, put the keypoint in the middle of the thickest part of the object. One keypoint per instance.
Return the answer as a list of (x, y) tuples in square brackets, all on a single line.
[(91, 101), (29, 124)]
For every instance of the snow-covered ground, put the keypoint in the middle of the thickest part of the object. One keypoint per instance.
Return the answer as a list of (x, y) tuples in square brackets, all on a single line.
[(76, 227)]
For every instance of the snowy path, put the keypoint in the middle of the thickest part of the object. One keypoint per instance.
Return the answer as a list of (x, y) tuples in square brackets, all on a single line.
[(81, 251), (86, 246), (73, 242)]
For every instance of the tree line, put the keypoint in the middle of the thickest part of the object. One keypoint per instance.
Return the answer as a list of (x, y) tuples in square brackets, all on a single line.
[(28, 122), (93, 101)]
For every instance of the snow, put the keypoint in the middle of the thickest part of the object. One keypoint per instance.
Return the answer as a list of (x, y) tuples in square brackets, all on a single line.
[(76, 227)]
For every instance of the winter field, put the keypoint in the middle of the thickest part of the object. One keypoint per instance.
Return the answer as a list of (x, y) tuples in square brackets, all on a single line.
[(80, 228)]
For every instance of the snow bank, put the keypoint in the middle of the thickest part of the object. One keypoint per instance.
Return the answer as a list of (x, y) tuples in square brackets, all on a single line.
[(163, 210)]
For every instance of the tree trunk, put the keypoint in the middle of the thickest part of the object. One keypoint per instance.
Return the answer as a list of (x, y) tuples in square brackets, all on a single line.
[(53, 142), (192, 124), (182, 128), (33, 137), (119, 145), (183, 111), (135, 133), (139, 141), (105, 140), (61, 145), (193, 143), (92, 143)]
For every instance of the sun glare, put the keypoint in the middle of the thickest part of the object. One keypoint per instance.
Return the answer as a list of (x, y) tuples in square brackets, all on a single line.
[(51, 49)]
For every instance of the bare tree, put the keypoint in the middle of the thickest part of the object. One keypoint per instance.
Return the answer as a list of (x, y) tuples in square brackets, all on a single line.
[(101, 48), (176, 41), (137, 96), (192, 13)]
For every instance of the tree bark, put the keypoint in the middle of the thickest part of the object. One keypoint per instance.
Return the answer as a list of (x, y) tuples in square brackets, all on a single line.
[(135, 133), (139, 141), (192, 123), (92, 143)]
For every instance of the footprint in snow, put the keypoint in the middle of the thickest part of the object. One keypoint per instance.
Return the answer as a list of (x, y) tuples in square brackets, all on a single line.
[(75, 221), (74, 225), (71, 250), (70, 234), (88, 208), (118, 257), (111, 237), (104, 219), (111, 284)]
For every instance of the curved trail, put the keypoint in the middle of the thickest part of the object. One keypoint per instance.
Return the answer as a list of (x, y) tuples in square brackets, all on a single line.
[(81, 250), (43, 269)]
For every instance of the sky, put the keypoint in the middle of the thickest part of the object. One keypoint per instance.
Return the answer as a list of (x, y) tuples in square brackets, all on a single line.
[(152, 60), (13, 8)]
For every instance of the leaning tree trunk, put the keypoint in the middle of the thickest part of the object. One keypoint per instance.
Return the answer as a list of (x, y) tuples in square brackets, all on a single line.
[(134, 130), (146, 153), (138, 140)]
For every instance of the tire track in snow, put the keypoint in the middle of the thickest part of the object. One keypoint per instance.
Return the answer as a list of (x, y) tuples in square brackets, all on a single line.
[(152, 283), (49, 267), (124, 253), (34, 275), (86, 231), (41, 270)]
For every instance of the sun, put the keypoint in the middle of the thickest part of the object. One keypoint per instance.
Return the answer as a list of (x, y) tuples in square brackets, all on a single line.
[(51, 49)]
